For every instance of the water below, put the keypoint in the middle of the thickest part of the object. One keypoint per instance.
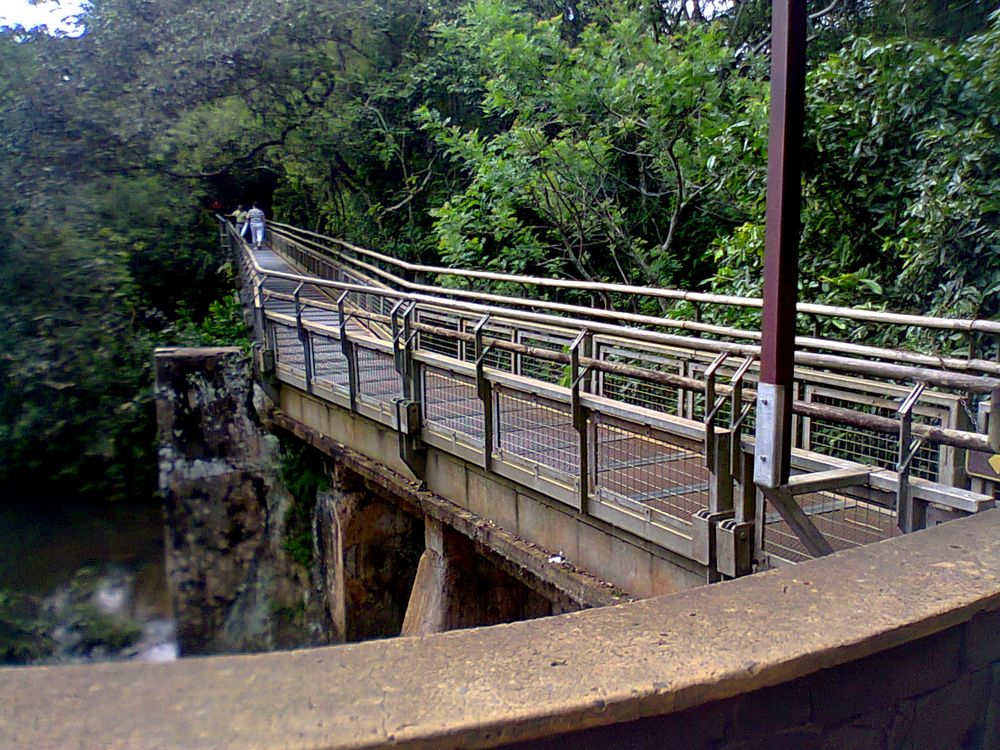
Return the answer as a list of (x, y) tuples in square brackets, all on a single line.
[(95, 577)]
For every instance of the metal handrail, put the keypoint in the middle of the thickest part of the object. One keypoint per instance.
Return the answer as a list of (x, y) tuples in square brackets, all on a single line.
[(935, 435), (945, 379), (956, 364), (962, 325)]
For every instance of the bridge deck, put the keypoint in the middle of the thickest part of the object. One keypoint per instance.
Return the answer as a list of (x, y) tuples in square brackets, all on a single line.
[(652, 473)]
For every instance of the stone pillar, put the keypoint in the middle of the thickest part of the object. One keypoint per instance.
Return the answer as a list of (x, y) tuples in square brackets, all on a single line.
[(457, 588), (224, 509)]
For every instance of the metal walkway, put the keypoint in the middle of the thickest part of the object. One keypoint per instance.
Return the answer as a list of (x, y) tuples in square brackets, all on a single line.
[(643, 428)]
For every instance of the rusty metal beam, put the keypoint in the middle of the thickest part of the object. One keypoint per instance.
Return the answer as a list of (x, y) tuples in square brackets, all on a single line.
[(784, 195)]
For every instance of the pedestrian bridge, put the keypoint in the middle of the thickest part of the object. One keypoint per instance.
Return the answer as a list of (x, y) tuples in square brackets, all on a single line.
[(606, 436), (644, 422)]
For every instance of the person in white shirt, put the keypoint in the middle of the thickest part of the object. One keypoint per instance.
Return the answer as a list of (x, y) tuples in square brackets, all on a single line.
[(255, 218)]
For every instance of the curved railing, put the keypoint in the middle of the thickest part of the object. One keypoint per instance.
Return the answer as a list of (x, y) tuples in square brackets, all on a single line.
[(403, 275), (639, 426)]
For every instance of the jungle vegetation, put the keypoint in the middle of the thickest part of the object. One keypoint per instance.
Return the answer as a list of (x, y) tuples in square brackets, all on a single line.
[(591, 139)]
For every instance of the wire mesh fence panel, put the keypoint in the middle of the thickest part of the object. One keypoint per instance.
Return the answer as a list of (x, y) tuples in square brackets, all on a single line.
[(724, 415), (451, 403), (287, 346), (638, 391), (386, 305), (329, 362), (538, 368), (648, 470), (498, 359), (377, 376), (537, 430), (436, 343), (843, 521), (867, 446)]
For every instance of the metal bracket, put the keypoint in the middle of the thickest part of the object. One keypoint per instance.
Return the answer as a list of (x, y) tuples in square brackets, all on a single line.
[(412, 451), (801, 525), (783, 500), (712, 406), (909, 515), (734, 547), (408, 420), (770, 423), (265, 359), (703, 540)]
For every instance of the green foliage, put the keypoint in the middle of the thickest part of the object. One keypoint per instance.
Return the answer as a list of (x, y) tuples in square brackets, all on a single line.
[(584, 139), (901, 181), (620, 157), (95, 629), (222, 325), (304, 474), (67, 624), (24, 636)]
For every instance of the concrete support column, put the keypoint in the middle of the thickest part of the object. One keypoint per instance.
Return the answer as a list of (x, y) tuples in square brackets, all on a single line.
[(213, 492), (457, 588), (368, 549), (232, 584)]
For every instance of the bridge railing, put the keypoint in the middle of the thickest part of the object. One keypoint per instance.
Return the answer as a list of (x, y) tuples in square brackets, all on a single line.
[(979, 335), (829, 398), (643, 429)]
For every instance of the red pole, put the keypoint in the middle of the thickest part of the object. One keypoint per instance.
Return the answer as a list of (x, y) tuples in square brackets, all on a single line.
[(781, 243)]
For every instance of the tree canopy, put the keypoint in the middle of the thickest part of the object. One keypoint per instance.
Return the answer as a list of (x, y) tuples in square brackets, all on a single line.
[(585, 139)]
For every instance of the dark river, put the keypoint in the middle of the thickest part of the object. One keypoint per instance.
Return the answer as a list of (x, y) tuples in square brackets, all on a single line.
[(91, 569)]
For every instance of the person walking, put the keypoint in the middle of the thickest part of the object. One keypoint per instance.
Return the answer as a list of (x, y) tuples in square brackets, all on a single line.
[(255, 218), (239, 217)]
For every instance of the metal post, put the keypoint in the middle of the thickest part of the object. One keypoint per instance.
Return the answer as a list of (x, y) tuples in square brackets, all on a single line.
[(409, 412), (223, 235), (909, 517), (397, 355), (262, 316), (304, 338), (738, 413), (784, 195), (411, 378), (485, 391), (712, 407), (347, 347), (582, 341)]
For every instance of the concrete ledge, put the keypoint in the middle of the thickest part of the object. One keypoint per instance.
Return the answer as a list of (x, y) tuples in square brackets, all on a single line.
[(529, 680)]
